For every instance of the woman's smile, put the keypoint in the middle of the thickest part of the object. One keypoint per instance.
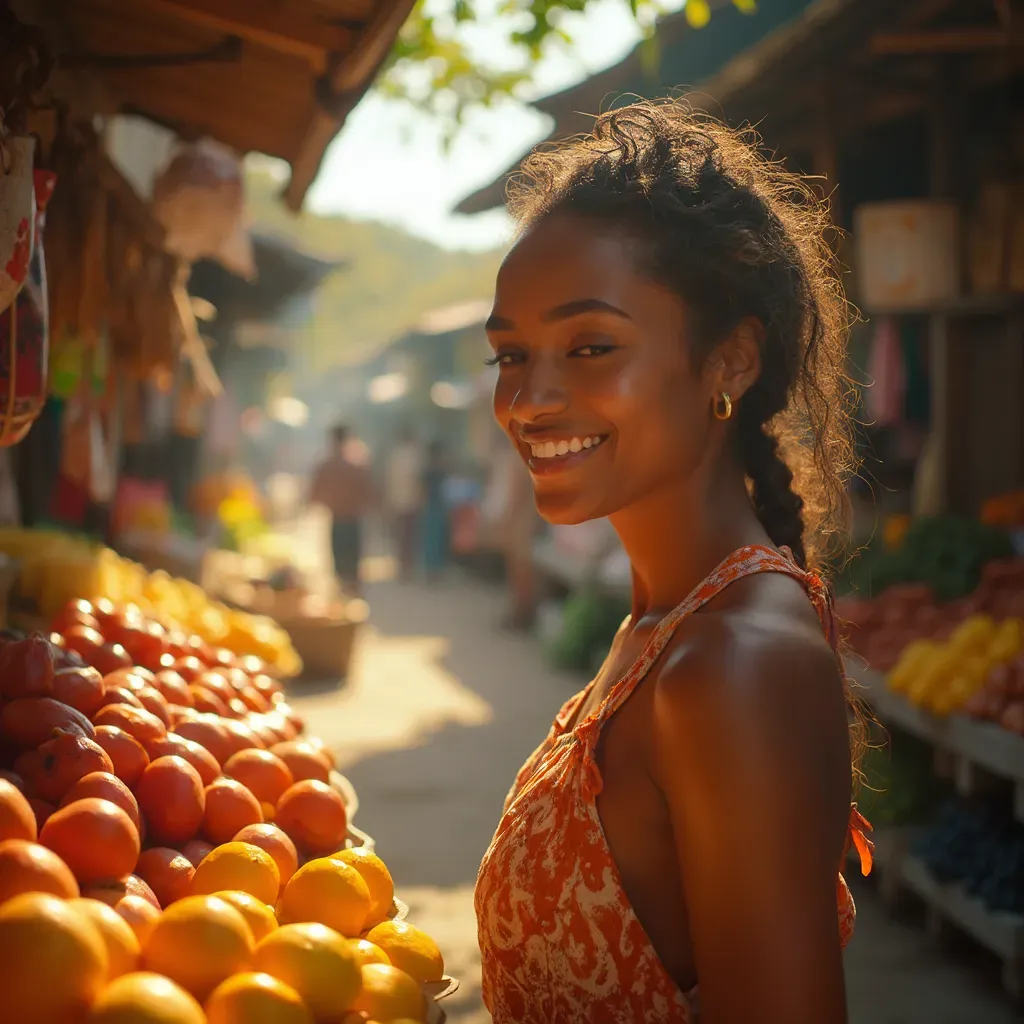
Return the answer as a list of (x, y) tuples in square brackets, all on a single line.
[(548, 456)]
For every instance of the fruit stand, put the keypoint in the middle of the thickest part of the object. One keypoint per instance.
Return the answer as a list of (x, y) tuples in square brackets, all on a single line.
[(937, 621), (162, 810)]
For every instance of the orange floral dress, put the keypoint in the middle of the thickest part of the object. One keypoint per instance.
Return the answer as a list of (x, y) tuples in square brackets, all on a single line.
[(560, 943)]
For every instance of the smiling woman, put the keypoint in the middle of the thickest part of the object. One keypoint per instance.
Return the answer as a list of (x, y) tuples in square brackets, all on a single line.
[(670, 334)]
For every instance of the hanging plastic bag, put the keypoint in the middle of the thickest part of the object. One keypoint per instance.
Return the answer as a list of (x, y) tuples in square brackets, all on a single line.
[(17, 214), (25, 337)]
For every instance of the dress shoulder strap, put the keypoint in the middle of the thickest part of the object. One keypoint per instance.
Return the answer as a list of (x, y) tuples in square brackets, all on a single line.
[(744, 562)]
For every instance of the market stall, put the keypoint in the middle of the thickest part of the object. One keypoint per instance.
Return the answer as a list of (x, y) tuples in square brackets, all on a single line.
[(171, 835)]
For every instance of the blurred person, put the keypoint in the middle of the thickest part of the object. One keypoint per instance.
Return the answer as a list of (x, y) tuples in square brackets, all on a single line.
[(670, 331), (345, 488), (519, 522), (403, 493), (434, 532)]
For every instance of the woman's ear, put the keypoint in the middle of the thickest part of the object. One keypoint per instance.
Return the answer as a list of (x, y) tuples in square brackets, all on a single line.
[(736, 363)]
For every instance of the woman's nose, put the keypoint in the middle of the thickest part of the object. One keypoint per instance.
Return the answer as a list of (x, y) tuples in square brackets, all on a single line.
[(542, 392)]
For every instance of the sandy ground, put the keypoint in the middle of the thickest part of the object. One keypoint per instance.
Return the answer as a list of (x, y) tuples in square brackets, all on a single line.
[(438, 714)]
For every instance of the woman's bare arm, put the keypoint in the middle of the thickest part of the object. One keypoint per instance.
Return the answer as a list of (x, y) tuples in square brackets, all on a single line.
[(751, 751)]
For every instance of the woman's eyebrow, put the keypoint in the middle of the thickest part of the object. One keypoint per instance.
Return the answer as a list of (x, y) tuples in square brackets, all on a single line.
[(563, 312)]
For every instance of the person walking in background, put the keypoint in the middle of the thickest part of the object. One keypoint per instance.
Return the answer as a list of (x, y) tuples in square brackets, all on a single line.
[(404, 497), (345, 489), (434, 533), (519, 527)]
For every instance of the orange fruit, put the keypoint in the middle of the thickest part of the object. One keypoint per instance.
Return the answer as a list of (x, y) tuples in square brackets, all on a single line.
[(377, 878), (253, 699), (145, 998), (139, 914), (314, 815), (206, 701), (304, 760), (247, 998), (409, 949), (105, 786), (329, 892), (173, 745), (258, 915), (171, 798), (137, 722), (229, 808), (276, 843), (366, 952), (52, 768), (167, 872), (173, 687), (264, 774), (238, 866), (198, 942), (17, 819), (94, 837), (155, 703), (54, 962), (31, 867), (112, 890), (317, 963), (388, 993), (127, 754), (208, 731), (120, 941), (41, 809), (196, 850)]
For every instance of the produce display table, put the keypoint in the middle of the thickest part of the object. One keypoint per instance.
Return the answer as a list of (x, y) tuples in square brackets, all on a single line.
[(971, 753), (976, 748)]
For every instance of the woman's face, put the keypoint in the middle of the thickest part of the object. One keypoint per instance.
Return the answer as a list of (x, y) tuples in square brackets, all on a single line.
[(596, 387)]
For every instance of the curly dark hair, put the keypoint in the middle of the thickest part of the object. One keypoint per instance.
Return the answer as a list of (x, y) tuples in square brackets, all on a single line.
[(734, 235)]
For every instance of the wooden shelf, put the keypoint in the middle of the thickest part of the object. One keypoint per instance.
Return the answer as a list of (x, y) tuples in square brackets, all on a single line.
[(973, 745)]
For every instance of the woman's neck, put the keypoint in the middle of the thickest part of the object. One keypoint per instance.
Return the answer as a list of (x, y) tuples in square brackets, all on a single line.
[(675, 536)]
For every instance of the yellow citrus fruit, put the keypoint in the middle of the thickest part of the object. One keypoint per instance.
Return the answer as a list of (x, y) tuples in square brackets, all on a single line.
[(317, 963), (377, 878), (329, 892), (366, 952), (122, 945), (409, 949), (250, 998), (388, 993), (258, 916), (238, 866), (53, 962), (198, 942), (145, 998)]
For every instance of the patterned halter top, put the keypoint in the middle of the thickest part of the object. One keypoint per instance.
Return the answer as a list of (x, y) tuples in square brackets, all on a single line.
[(559, 941)]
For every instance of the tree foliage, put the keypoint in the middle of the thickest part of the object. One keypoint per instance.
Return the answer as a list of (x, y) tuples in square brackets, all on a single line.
[(434, 64)]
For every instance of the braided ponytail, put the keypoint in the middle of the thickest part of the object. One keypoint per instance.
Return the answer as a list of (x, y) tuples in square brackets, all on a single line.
[(778, 506)]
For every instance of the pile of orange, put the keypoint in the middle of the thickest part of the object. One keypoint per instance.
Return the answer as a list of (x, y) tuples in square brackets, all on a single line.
[(160, 862)]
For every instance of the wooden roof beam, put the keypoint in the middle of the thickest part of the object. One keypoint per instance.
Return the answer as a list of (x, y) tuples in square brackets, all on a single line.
[(962, 40), (263, 23)]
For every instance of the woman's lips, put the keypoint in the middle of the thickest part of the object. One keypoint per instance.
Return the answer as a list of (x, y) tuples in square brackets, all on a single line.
[(549, 457)]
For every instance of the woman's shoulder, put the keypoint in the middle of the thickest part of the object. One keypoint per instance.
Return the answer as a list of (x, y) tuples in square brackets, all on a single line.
[(762, 655)]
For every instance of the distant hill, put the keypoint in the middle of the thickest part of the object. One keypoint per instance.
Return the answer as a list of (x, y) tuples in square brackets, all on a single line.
[(390, 281)]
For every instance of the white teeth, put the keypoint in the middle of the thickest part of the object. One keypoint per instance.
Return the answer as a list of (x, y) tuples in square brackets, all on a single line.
[(554, 449)]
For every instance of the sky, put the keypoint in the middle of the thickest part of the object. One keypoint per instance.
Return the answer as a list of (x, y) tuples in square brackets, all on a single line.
[(388, 163)]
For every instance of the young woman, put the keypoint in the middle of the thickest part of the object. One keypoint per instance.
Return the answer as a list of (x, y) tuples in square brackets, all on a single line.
[(670, 332)]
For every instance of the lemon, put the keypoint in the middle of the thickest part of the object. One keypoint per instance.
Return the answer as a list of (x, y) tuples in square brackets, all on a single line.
[(366, 952)]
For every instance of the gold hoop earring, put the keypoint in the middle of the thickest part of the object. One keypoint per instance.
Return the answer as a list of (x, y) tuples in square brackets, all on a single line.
[(722, 408)]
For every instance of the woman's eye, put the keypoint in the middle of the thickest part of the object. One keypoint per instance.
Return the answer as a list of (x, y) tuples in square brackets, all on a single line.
[(593, 350), (504, 359)]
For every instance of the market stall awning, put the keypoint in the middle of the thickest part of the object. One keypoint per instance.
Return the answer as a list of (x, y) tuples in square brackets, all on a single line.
[(267, 76)]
